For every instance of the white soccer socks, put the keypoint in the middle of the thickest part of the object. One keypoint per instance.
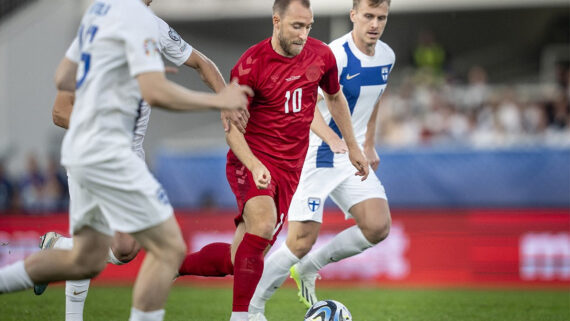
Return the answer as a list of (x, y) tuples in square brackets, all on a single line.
[(75, 295), (345, 244), (138, 315), (275, 272), (14, 278)]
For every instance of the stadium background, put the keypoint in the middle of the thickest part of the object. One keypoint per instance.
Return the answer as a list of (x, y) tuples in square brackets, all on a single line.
[(475, 146)]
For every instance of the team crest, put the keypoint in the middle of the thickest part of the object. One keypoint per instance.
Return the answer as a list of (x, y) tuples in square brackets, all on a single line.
[(173, 34), (314, 203), (385, 73), (162, 197)]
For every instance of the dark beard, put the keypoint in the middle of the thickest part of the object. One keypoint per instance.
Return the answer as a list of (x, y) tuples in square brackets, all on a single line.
[(285, 46)]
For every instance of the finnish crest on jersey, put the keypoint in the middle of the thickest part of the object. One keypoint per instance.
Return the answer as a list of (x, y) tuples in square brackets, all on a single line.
[(314, 203), (173, 34), (385, 73)]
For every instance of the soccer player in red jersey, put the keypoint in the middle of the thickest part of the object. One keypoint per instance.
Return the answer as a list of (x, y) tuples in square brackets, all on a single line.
[(264, 165)]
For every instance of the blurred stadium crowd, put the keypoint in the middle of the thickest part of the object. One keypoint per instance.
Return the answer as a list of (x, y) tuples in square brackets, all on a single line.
[(432, 109)]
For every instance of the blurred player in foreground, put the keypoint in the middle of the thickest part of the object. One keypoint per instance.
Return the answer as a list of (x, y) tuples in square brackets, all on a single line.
[(124, 248), (117, 46), (365, 63), (264, 165)]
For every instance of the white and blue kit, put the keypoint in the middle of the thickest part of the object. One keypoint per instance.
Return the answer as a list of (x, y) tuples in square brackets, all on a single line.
[(111, 188), (363, 79)]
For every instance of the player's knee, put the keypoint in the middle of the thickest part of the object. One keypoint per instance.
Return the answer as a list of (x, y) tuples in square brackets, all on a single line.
[(125, 254), (177, 252), (377, 231), (301, 247), (262, 229)]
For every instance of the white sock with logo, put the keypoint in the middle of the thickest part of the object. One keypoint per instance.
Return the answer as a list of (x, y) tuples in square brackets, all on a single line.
[(14, 278), (275, 271), (138, 315), (75, 295), (345, 244)]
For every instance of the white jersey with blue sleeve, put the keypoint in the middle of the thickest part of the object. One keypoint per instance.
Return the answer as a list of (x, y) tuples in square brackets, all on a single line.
[(173, 48), (363, 79), (111, 188), (117, 40)]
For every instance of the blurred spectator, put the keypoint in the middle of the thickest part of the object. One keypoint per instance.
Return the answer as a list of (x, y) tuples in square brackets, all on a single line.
[(7, 191), (429, 57), (31, 185), (56, 192), (42, 192)]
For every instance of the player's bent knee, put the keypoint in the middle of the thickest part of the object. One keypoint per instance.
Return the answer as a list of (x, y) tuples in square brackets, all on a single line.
[(301, 247), (125, 254), (262, 229), (377, 232)]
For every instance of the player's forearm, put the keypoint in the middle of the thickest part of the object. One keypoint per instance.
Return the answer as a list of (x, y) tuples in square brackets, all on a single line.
[(341, 115), (321, 129), (65, 73), (237, 143), (370, 136), (157, 91), (207, 70), (62, 107)]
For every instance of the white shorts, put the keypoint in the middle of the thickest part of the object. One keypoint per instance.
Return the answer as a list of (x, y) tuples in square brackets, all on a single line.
[(340, 183), (117, 195)]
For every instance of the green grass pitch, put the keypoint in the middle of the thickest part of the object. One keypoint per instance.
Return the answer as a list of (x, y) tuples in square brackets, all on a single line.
[(187, 303)]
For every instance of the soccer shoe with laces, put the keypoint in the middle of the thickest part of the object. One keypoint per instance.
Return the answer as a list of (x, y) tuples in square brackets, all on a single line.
[(306, 286), (47, 241), (258, 316)]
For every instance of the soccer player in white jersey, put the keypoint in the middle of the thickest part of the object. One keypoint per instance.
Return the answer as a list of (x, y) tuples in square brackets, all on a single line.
[(117, 46), (124, 248), (364, 63)]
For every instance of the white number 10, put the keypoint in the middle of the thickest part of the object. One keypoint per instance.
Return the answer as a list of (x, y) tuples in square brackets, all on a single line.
[(296, 101)]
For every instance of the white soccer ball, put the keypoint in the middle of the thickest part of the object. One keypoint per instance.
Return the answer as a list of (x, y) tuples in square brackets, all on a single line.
[(328, 310)]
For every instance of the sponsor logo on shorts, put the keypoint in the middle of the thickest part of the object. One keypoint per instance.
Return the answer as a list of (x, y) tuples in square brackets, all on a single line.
[(162, 197), (314, 203)]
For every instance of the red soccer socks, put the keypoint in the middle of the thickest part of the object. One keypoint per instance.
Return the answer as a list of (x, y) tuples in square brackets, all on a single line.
[(212, 260), (247, 270)]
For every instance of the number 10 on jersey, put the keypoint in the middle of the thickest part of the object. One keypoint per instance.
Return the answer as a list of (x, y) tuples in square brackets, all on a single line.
[(294, 100)]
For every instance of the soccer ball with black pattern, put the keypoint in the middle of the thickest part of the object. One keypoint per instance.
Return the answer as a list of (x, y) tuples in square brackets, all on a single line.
[(328, 310)]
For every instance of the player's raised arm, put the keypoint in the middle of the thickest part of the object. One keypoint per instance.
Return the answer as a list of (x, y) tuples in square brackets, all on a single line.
[(338, 108), (65, 84), (212, 77), (239, 147), (321, 129), (370, 139), (160, 92)]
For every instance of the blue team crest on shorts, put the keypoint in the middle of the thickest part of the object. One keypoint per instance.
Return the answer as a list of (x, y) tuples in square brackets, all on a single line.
[(162, 197), (314, 203)]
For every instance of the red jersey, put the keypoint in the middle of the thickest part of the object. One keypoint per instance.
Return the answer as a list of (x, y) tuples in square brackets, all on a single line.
[(285, 89)]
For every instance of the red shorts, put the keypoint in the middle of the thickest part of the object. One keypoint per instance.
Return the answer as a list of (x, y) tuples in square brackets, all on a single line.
[(281, 188)]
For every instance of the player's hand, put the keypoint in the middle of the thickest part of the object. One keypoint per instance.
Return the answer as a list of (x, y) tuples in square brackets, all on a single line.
[(359, 161), (338, 146), (238, 117), (372, 157), (261, 176), (235, 96)]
